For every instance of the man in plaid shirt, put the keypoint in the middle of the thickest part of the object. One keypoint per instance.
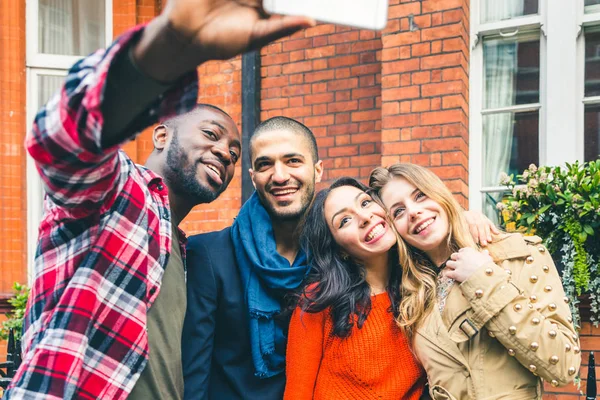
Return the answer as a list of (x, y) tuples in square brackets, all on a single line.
[(106, 308)]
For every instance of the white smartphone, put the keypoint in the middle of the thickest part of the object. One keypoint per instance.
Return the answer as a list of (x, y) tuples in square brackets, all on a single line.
[(369, 14)]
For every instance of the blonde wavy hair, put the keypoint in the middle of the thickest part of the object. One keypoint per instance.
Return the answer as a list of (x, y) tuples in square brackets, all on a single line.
[(419, 275)]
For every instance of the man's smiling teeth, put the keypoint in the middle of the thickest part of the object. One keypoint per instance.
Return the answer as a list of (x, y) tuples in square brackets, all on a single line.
[(424, 225), (213, 168), (283, 192), (378, 230)]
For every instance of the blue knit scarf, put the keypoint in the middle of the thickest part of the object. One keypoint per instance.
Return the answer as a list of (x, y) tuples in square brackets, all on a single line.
[(263, 271)]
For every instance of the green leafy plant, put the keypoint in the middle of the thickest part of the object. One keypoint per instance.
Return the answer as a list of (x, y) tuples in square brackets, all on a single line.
[(561, 205), (15, 319)]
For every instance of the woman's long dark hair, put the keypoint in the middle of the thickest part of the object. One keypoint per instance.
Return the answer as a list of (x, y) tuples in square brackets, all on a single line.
[(335, 282)]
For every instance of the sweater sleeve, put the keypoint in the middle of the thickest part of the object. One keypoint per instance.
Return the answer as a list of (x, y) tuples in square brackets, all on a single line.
[(304, 353)]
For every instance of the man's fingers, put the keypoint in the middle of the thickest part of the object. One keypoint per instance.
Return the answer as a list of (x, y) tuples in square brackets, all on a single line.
[(275, 27)]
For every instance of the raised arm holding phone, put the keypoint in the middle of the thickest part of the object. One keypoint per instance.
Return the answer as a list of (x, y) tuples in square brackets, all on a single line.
[(110, 265)]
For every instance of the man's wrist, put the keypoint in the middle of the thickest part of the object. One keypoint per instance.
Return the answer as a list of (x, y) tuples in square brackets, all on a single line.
[(163, 54)]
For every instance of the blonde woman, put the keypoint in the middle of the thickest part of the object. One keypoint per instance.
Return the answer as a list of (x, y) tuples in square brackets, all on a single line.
[(485, 324)]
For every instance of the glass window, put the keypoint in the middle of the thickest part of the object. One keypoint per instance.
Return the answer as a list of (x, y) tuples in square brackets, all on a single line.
[(47, 86), (510, 120), (71, 27), (592, 132), (592, 92), (510, 144), (592, 6), (499, 10), (511, 72)]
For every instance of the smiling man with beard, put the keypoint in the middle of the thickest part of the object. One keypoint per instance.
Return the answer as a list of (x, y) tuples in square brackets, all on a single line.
[(233, 338)]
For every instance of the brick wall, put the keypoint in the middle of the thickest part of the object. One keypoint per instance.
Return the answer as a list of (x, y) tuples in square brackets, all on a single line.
[(13, 197), (425, 77)]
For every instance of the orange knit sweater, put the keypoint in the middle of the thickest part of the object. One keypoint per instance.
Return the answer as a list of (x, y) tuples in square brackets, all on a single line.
[(374, 362)]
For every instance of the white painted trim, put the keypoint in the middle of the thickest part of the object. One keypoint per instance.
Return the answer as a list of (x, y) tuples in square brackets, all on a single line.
[(561, 87), (517, 108), (108, 24), (590, 100), (475, 117)]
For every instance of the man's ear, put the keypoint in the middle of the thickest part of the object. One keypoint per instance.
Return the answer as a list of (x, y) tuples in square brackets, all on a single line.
[(251, 172), (159, 137), (318, 171)]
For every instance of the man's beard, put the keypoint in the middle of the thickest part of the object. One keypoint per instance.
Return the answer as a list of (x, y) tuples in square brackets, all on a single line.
[(181, 176), (283, 213)]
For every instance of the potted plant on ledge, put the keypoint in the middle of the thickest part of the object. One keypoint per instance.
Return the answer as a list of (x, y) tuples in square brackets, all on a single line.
[(562, 206)]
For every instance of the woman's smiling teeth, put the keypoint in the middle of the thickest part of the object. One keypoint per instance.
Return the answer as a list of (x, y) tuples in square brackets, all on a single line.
[(421, 227), (375, 232)]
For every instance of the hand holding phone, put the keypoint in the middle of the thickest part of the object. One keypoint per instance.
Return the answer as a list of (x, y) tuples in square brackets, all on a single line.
[(190, 32), (369, 14)]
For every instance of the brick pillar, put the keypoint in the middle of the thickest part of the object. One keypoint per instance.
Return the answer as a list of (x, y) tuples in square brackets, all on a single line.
[(424, 82), (13, 196)]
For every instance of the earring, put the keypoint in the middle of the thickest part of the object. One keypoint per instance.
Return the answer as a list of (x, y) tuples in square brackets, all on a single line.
[(345, 256)]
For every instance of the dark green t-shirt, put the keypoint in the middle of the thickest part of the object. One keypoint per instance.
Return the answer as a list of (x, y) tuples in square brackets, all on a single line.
[(163, 376)]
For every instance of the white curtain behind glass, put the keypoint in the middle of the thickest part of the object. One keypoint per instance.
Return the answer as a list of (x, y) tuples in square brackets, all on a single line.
[(497, 10), (71, 27), (500, 66)]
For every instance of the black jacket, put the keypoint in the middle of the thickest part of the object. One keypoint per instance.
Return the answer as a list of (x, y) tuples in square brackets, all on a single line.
[(217, 363)]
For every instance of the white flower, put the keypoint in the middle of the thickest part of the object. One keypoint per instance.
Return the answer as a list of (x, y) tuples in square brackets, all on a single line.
[(500, 206), (525, 174), (504, 179), (533, 183), (532, 168)]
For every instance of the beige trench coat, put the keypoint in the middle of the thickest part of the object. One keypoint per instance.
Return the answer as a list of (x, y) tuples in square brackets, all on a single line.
[(502, 330)]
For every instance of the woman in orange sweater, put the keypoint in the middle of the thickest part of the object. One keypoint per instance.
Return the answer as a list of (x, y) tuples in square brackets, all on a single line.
[(343, 342)]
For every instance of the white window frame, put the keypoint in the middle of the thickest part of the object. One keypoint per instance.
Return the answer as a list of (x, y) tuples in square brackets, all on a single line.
[(38, 64), (561, 85)]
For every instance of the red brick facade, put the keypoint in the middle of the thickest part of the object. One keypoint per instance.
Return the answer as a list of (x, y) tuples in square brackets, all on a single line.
[(370, 98)]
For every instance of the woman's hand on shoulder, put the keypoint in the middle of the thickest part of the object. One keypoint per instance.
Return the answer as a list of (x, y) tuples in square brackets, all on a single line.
[(465, 262)]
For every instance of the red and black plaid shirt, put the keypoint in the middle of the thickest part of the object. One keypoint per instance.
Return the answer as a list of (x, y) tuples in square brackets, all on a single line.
[(103, 243)]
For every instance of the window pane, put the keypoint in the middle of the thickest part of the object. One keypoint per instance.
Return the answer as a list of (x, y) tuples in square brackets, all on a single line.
[(592, 6), (592, 132), (47, 86), (511, 72), (510, 144), (498, 10), (71, 27), (490, 200), (592, 64)]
